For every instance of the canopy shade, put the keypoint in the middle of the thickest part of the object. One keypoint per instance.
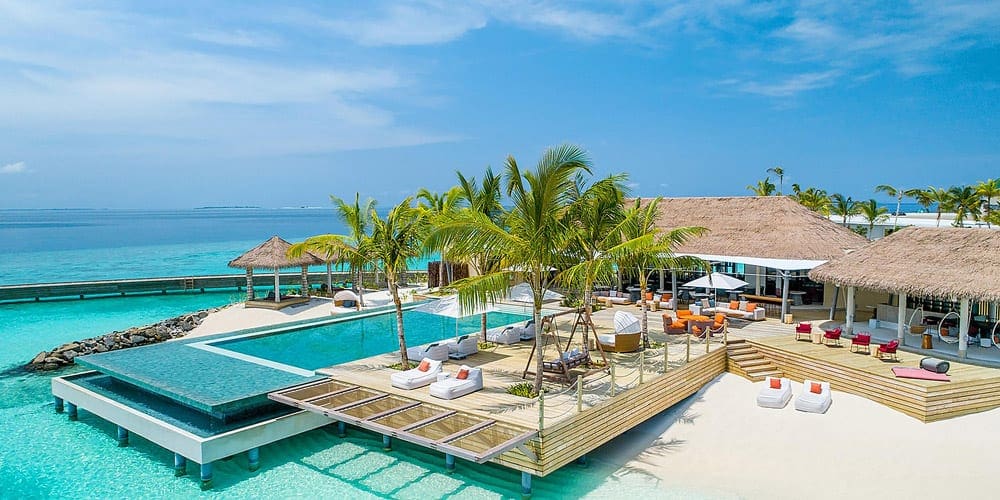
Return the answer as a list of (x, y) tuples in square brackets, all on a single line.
[(273, 254), (626, 322), (452, 308), (522, 293), (717, 280)]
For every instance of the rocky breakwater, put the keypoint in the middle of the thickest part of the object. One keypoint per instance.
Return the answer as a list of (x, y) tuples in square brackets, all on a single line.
[(142, 335)]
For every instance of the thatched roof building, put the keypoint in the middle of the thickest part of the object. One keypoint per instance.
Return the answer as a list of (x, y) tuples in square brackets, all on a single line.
[(766, 227), (273, 254), (937, 262)]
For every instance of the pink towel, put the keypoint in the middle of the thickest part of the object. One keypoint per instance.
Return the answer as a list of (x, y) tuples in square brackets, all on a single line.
[(919, 373)]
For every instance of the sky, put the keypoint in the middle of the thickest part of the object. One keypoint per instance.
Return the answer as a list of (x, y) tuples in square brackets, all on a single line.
[(185, 104)]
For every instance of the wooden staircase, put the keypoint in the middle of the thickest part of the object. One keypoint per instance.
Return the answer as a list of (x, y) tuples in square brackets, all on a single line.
[(743, 359)]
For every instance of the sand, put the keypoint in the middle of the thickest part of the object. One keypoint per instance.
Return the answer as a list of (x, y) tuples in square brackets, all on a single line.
[(719, 443)]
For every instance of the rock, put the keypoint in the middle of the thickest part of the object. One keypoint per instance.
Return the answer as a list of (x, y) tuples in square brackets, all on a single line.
[(67, 347), (202, 314), (100, 348), (39, 358), (56, 360), (70, 355), (137, 339), (49, 366), (187, 326)]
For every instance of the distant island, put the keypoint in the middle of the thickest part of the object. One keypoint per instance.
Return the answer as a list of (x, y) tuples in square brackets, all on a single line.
[(233, 207)]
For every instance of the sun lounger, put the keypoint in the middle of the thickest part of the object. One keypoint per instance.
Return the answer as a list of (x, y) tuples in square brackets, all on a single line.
[(503, 335), (436, 351), (815, 397), (466, 381), (526, 332), (463, 347), (620, 342), (775, 393), (420, 376)]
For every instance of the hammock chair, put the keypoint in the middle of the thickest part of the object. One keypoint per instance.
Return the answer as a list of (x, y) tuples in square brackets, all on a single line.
[(920, 328), (948, 338), (566, 359)]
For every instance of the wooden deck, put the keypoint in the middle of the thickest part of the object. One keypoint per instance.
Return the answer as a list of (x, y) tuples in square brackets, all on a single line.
[(971, 389), (566, 430)]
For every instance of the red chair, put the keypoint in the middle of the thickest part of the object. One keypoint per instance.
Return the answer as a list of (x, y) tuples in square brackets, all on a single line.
[(861, 340), (802, 330), (832, 336), (889, 349)]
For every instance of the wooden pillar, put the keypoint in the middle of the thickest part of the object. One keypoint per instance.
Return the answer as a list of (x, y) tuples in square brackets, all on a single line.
[(963, 327), (305, 281), (673, 287), (784, 294), (901, 319), (849, 322), (277, 286), (250, 283)]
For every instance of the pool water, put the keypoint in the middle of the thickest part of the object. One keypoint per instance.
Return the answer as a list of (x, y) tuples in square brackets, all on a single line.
[(322, 346)]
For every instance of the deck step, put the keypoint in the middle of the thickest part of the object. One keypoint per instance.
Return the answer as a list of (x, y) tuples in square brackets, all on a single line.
[(748, 356), (753, 363), (748, 362)]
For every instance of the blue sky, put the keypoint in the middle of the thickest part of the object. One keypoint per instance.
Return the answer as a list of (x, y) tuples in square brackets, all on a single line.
[(155, 105)]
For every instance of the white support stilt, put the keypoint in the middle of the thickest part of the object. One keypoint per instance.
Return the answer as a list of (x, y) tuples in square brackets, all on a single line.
[(963, 328), (277, 286), (525, 485), (206, 475), (122, 437), (849, 323), (253, 459), (784, 294), (673, 288), (449, 462), (71, 411), (901, 319), (180, 465)]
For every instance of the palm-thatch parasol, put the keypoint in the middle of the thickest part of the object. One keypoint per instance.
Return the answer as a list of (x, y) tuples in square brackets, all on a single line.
[(273, 254)]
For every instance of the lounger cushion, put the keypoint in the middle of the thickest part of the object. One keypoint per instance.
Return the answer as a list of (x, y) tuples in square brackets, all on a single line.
[(462, 374), (734, 304), (751, 306), (424, 365), (815, 388), (775, 383)]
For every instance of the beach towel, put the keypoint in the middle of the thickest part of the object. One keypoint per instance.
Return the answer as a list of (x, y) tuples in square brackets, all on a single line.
[(919, 373)]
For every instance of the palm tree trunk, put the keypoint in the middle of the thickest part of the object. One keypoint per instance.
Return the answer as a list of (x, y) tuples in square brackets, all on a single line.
[(939, 215), (645, 308), (360, 288), (588, 307), (899, 201), (482, 327), (539, 335), (329, 278), (441, 273), (394, 289)]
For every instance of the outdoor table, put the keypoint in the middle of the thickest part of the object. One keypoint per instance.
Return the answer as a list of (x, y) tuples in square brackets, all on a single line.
[(816, 336)]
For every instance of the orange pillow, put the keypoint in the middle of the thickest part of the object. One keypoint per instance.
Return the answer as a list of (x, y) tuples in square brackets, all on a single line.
[(734, 304), (720, 318), (815, 388), (775, 383), (667, 296), (424, 365), (684, 313), (462, 374), (695, 330), (649, 295), (678, 324), (751, 306)]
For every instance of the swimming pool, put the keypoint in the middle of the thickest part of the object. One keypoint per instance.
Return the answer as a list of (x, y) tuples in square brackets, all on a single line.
[(335, 343)]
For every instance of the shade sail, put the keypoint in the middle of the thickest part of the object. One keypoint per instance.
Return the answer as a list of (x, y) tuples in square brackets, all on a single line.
[(452, 308), (782, 264), (626, 322), (717, 280), (522, 293)]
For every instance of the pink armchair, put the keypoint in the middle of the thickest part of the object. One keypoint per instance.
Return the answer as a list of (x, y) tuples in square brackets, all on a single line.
[(889, 349), (832, 336), (803, 330)]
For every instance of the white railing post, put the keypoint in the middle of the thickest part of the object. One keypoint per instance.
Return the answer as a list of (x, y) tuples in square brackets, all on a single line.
[(642, 364), (688, 358), (612, 380), (541, 410), (666, 350), (579, 393)]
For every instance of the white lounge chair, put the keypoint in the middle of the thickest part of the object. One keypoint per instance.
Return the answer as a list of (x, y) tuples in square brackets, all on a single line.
[(775, 397), (451, 387), (811, 401), (526, 332), (503, 335), (411, 379), (463, 347), (436, 351)]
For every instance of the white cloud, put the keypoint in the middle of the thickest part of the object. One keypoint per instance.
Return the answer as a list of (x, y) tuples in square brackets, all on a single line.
[(422, 23), (237, 38), (14, 168), (788, 87)]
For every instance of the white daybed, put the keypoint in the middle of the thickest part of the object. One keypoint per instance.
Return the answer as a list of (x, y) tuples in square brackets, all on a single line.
[(436, 351), (814, 402), (451, 387), (420, 376), (771, 397)]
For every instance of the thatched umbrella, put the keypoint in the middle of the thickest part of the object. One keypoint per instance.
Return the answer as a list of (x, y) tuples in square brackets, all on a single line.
[(273, 254)]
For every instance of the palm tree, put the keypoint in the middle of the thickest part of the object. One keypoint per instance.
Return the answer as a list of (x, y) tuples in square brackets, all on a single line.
[(921, 197), (394, 240), (966, 203), (843, 206), (780, 172), (814, 199), (939, 196), (533, 238), (896, 193), (357, 217), (436, 205), (329, 247), (646, 248), (988, 190), (596, 218), (762, 188), (873, 213)]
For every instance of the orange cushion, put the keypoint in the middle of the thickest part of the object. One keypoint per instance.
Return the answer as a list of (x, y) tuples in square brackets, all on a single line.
[(720, 318), (775, 383), (424, 365), (678, 324), (667, 296), (734, 304), (462, 374), (751, 306), (649, 295), (695, 330), (815, 388), (683, 313)]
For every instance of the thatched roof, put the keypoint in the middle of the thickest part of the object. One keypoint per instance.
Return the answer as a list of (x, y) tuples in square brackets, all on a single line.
[(771, 227), (273, 254), (923, 261)]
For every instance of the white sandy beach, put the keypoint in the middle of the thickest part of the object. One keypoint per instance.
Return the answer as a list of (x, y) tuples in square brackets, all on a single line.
[(720, 444)]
